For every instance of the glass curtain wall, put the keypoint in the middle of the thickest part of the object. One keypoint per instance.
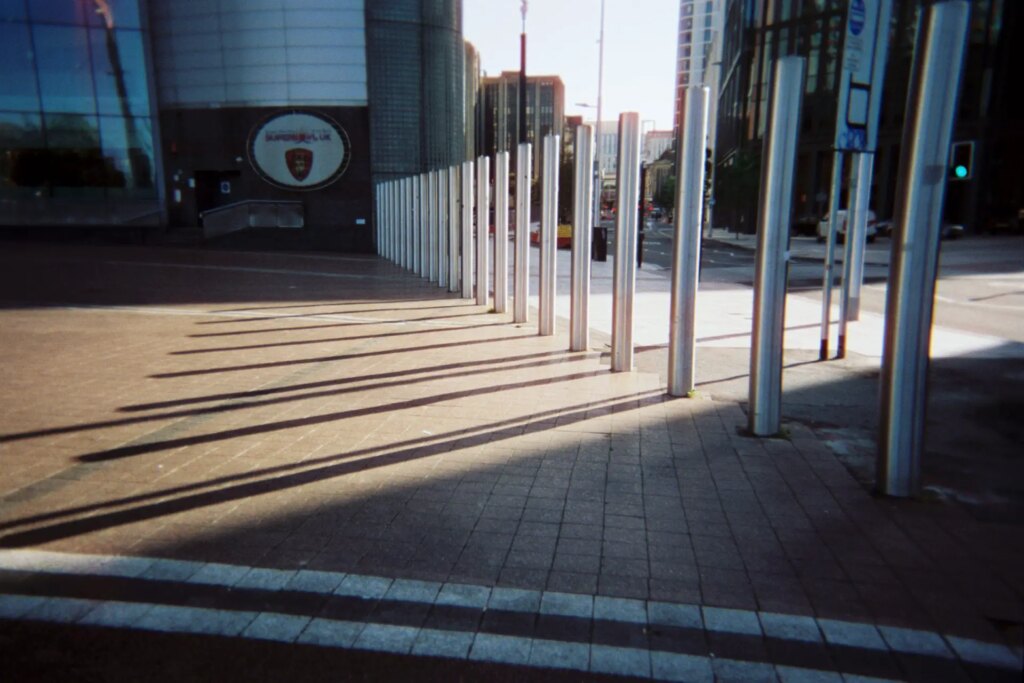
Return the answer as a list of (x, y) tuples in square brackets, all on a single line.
[(75, 113)]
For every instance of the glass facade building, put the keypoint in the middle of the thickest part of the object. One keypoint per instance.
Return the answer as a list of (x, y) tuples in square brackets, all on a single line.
[(545, 112), (153, 113), (756, 32), (76, 114)]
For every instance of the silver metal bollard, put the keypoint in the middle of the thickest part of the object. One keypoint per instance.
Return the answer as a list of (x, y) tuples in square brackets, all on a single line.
[(417, 225), (828, 274), (549, 235), (441, 227), (682, 346), (582, 228), (775, 207), (920, 192), (624, 282), (407, 223), (856, 231), (483, 207), (453, 228), (467, 230), (424, 226), (431, 222), (382, 221), (501, 232), (863, 167), (521, 278)]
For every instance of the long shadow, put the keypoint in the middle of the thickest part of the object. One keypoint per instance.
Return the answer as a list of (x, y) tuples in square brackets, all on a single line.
[(211, 410), (332, 466), (318, 315), (331, 339), (274, 330), (342, 303), (252, 393), (152, 447), (325, 359)]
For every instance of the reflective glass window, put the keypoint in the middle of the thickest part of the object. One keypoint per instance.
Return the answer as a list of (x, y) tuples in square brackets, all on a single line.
[(76, 167), (17, 74), (65, 77), (113, 13), (72, 131), (59, 11), (128, 155), (119, 66), (22, 166), (12, 10)]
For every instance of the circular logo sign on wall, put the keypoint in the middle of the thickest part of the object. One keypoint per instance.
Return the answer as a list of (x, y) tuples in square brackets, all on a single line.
[(299, 150)]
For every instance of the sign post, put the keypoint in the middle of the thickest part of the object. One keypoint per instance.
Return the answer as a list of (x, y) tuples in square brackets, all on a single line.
[(861, 77)]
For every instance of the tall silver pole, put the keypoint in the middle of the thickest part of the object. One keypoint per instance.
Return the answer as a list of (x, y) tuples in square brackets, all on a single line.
[(598, 181), (383, 247), (379, 217), (432, 226), (467, 230), (524, 167), (856, 233), (407, 223), (624, 281), (483, 206), (414, 224), (453, 229), (920, 192), (382, 218), (863, 170), (441, 227), (425, 225), (548, 235), (579, 317), (775, 208), (830, 252), (682, 346), (501, 232)]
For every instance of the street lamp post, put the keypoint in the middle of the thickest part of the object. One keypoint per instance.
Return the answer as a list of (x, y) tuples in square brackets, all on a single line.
[(597, 123), (522, 76)]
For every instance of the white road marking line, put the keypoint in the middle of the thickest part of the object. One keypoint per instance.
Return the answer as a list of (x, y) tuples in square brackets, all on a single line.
[(329, 632)]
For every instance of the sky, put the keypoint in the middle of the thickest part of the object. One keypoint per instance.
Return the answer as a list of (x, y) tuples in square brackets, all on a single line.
[(562, 40)]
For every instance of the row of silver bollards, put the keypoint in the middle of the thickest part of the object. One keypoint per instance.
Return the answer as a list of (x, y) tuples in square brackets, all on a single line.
[(426, 225), (437, 224), (920, 191)]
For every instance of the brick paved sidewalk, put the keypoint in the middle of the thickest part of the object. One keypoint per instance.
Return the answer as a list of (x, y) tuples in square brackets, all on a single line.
[(477, 487)]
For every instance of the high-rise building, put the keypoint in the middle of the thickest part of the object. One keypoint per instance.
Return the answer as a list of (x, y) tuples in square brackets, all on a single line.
[(756, 33), (607, 148), (145, 112), (698, 24), (655, 143), (545, 112)]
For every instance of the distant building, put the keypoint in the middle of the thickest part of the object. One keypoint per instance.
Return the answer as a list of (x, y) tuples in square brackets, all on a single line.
[(654, 145), (754, 35), (699, 22), (545, 112), (608, 146), (474, 132)]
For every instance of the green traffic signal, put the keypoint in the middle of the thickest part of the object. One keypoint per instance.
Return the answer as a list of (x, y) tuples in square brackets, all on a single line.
[(960, 171)]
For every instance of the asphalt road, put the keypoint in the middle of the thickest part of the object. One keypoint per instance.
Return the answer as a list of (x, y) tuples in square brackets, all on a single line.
[(980, 287)]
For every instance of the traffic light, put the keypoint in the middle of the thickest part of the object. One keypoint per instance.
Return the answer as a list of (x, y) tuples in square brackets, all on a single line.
[(961, 160)]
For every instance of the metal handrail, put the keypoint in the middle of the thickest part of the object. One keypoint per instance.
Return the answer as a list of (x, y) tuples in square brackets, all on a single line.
[(248, 202)]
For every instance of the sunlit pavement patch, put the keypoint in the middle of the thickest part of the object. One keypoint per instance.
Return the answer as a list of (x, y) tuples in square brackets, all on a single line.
[(230, 589)]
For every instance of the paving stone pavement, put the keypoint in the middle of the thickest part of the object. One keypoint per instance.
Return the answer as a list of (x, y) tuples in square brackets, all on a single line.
[(218, 436)]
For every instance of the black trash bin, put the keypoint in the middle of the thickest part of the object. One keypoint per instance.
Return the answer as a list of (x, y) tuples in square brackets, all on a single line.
[(599, 244)]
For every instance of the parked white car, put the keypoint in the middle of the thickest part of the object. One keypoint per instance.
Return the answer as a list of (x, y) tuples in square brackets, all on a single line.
[(841, 216)]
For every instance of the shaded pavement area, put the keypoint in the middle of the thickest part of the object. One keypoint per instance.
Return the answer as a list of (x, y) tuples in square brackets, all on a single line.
[(255, 465)]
